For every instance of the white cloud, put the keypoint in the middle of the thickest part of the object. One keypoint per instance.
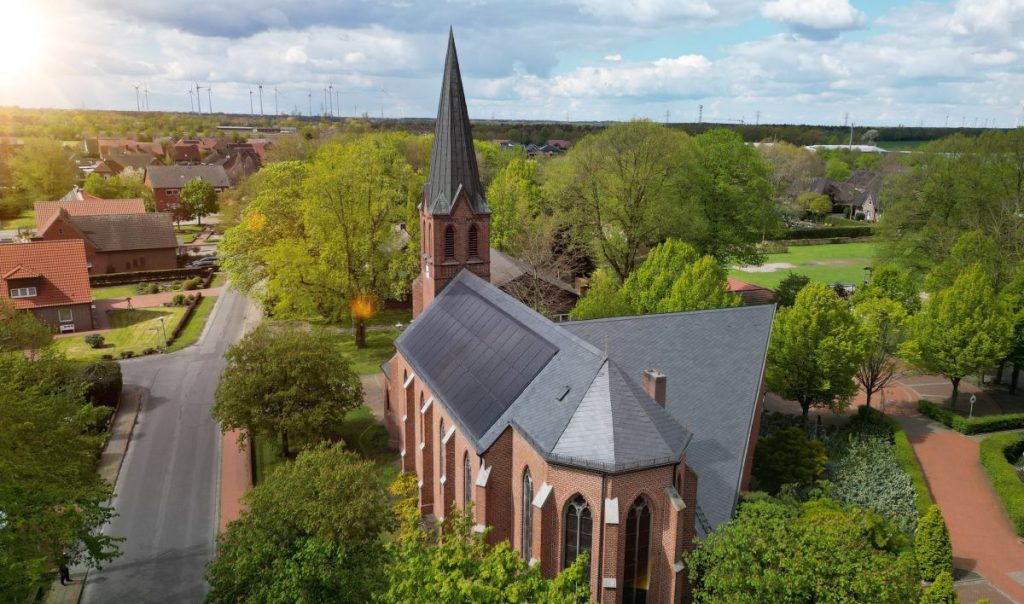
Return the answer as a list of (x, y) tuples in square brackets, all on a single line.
[(815, 17), (648, 11), (614, 57)]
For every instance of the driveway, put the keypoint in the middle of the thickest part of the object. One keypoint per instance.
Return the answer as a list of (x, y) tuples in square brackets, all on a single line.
[(166, 495)]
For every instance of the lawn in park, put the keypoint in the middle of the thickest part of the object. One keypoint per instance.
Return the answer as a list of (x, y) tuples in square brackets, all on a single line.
[(826, 263), (134, 330)]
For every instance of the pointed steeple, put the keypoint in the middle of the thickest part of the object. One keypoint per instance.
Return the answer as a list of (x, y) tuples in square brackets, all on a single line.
[(453, 159)]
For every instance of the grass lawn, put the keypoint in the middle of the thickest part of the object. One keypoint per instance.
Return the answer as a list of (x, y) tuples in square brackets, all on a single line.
[(27, 220), (826, 263), (379, 348), (114, 291), (133, 330), (195, 326)]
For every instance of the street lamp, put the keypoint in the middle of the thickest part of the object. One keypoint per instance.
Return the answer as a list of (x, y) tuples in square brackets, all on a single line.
[(974, 399), (163, 327), (867, 274)]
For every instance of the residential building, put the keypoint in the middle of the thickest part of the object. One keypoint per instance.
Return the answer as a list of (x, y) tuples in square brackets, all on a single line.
[(117, 243), (622, 438), (84, 204), (166, 182), (50, 280), (750, 293)]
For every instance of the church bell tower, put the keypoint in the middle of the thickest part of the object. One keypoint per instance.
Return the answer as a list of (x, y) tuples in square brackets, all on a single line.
[(455, 222)]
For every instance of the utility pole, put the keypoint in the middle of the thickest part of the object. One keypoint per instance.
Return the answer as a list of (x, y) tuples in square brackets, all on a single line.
[(851, 134), (757, 118), (330, 99), (846, 119), (666, 116), (191, 105), (310, 98), (260, 86), (947, 120), (700, 114)]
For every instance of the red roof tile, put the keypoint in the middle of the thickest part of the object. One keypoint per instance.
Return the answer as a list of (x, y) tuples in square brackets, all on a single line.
[(91, 206), (751, 294), (63, 277)]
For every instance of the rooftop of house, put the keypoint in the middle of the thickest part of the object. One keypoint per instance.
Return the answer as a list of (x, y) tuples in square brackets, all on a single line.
[(122, 232), (505, 269), (57, 269), (751, 294), (573, 390), (46, 211), (176, 177)]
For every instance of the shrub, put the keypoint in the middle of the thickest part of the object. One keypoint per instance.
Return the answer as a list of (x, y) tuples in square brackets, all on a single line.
[(148, 288), (103, 383), (149, 351), (974, 425), (788, 457), (829, 232), (864, 472), (179, 300), (995, 451), (107, 357), (127, 354), (931, 545), (190, 284), (942, 591), (95, 340)]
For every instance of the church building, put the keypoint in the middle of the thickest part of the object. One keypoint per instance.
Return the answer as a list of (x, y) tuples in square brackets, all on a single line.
[(623, 438)]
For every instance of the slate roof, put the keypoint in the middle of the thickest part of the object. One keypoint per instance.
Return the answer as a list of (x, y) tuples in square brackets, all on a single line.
[(494, 363), (118, 232), (58, 270), (176, 177), (46, 211), (453, 158), (714, 360)]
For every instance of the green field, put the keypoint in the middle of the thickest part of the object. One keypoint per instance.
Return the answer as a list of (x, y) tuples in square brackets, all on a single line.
[(114, 291), (133, 330), (826, 263)]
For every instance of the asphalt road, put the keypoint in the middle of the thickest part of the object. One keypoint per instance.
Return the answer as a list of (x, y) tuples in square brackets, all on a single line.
[(166, 494)]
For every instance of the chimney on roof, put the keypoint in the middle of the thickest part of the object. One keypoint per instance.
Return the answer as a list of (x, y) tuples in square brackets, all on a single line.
[(655, 383)]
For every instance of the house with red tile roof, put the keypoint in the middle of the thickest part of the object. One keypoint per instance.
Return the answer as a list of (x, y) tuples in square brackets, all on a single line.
[(118, 243), (87, 205), (750, 293), (167, 182), (50, 280)]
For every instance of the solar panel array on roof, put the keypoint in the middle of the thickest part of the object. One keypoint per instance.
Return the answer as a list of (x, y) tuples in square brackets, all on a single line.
[(476, 357)]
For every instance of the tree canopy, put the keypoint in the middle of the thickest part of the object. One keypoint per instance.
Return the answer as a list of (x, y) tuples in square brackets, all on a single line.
[(883, 324), (199, 198), (129, 184), (41, 170), (21, 331), (286, 382)]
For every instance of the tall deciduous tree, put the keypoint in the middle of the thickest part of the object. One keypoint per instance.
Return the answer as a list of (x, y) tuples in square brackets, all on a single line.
[(514, 199), (456, 564), (837, 169), (603, 298), (962, 330), (199, 197), (21, 331), (883, 325), (42, 170), (52, 501), (9, 210), (286, 382), (894, 283), (129, 184), (701, 286), (313, 531), (789, 287), (820, 551), (815, 350), (652, 281)]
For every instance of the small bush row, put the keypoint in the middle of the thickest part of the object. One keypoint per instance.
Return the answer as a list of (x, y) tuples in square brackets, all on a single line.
[(996, 450), (828, 232), (974, 425)]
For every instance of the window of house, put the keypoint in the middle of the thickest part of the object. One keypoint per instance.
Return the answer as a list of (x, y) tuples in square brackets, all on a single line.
[(449, 243), (473, 241), (423, 421), (64, 315), (23, 292), (442, 446), (578, 530), (467, 481), (637, 571), (527, 515)]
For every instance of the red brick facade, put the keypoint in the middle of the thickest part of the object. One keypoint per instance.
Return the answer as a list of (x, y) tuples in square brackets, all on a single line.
[(415, 421)]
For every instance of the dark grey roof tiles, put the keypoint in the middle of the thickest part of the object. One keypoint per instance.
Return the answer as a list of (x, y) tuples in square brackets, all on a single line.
[(122, 232), (453, 158)]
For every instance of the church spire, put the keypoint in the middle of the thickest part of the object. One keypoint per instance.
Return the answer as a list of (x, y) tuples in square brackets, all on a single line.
[(453, 158)]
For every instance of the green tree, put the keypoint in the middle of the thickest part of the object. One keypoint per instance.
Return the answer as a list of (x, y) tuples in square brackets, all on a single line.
[(837, 169), (313, 531), (792, 168), (456, 564), (42, 170), (603, 298), (788, 457), (286, 382), (701, 286), (788, 288), (815, 350), (9, 210), (129, 184), (199, 197), (883, 325), (514, 199), (941, 591), (21, 330), (890, 281), (51, 498), (931, 545), (652, 282), (961, 330), (972, 247), (820, 551), (820, 206)]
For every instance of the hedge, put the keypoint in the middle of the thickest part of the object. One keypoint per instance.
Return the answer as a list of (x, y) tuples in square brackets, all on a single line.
[(994, 456), (828, 232), (189, 311), (103, 383), (170, 274), (974, 425)]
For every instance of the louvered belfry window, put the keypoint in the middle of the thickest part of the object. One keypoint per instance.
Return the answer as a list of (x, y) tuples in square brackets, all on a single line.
[(473, 240), (449, 243)]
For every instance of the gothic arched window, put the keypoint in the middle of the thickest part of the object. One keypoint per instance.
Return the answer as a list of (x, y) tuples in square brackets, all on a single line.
[(474, 240), (467, 481), (449, 242), (527, 515), (441, 445), (578, 530), (637, 569)]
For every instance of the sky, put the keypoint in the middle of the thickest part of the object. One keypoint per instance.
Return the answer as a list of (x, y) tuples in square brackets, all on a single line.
[(870, 62)]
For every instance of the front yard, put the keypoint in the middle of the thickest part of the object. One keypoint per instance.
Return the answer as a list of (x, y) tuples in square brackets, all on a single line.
[(131, 330)]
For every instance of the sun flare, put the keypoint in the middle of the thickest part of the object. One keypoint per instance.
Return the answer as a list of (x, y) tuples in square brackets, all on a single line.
[(22, 40)]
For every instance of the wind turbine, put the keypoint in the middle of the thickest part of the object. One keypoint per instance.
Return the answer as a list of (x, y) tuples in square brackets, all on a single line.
[(330, 99), (147, 97), (260, 86), (191, 105), (209, 97), (250, 102), (138, 106), (309, 95), (276, 111), (199, 97)]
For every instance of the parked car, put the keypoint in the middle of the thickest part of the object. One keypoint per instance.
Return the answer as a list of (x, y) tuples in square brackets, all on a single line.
[(203, 262)]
